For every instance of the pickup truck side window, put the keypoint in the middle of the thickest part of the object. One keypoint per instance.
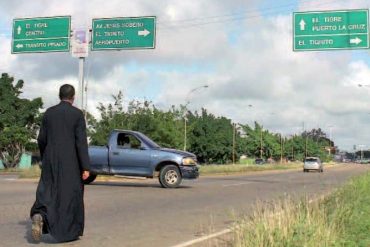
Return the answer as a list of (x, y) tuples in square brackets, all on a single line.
[(128, 141), (123, 141)]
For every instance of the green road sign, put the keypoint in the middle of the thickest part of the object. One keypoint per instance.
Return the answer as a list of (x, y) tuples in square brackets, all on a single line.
[(46, 34), (340, 29), (123, 33)]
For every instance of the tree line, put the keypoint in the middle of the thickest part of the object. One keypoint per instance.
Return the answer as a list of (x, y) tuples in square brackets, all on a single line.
[(214, 139)]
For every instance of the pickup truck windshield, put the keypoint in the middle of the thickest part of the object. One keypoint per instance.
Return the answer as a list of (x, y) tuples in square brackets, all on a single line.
[(148, 141)]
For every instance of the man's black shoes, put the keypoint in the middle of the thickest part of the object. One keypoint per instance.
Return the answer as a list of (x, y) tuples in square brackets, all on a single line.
[(37, 227)]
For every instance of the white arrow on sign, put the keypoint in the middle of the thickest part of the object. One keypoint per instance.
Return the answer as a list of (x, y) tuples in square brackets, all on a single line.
[(19, 29), (19, 46), (356, 41), (302, 23), (143, 33)]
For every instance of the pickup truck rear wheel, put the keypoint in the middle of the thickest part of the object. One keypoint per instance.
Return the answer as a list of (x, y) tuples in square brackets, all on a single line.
[(170, 176), (90, 179)]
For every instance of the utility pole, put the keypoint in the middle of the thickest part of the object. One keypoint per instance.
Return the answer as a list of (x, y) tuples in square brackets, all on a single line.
[(361, 151), (185, 132), (234, 144), (261, 144), (281, 148), (305, 147)]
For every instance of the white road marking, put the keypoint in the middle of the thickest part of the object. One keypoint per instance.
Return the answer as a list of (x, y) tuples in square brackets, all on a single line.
[(225, 231), (10, 179), (238, 184), (198, 240)]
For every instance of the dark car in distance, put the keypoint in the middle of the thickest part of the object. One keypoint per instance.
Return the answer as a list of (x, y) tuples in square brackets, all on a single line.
[(259, 161)]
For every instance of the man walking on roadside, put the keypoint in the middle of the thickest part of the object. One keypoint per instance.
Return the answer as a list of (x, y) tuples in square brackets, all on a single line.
[(59, 205)]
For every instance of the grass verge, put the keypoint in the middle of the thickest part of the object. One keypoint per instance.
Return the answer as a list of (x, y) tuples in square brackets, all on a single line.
[(33, 172), (231, 169), (341, 219), (9, 171)]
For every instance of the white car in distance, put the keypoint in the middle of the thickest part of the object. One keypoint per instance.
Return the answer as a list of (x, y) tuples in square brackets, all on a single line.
[(312, 163)]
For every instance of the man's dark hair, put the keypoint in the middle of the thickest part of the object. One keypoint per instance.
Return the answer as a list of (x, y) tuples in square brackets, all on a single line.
[(66, 92)]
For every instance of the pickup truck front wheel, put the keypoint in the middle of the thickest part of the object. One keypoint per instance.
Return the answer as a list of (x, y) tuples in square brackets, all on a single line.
[(90, 179), (170, 176)]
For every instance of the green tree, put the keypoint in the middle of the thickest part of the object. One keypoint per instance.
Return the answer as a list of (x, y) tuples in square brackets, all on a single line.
[(164, 127), (19, 120), (259, 141), (273, 145), (211, 137), (112, 116), (309, 143)]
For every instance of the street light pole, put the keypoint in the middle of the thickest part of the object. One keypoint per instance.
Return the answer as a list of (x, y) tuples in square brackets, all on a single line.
[(186, 104)]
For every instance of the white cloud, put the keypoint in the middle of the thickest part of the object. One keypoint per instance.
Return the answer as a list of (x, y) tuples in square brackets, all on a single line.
[(333, 5), (6, 58), (247, 61)]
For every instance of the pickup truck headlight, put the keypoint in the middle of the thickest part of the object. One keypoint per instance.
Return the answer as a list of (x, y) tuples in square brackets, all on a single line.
[(189, 161)]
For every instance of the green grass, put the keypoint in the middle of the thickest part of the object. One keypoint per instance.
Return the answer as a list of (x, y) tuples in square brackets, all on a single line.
[(9, 170), (246, 161), (350, 209), (33, 172), (342, 219), (240, 168)]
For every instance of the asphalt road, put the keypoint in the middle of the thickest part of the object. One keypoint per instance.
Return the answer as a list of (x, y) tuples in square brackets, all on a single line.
[(141, 213)]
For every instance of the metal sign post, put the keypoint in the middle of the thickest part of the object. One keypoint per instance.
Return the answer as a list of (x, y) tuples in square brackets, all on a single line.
[(80, 48), (81, 62)]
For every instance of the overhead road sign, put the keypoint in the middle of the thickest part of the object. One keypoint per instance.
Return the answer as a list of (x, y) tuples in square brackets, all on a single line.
[(327, 30), (45, 34), (123, 33)]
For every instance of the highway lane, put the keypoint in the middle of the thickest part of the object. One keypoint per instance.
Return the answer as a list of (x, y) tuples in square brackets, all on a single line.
[(141, 213)]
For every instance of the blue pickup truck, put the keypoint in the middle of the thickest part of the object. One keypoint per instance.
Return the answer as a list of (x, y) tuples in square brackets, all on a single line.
[(131, 153)]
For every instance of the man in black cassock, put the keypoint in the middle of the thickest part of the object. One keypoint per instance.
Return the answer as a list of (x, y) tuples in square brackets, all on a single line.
[(59, 205)]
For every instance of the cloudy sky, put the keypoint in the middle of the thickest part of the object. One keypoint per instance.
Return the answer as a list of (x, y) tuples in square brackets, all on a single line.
[(241, 49)]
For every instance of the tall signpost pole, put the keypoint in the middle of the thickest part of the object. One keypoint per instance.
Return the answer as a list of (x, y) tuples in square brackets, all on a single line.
[(81, 63), (80, 47)]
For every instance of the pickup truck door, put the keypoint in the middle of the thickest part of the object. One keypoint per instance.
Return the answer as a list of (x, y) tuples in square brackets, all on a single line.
[(127, 157)]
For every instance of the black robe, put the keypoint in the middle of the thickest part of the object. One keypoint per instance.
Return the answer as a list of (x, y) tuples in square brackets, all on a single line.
[(64, 153)]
